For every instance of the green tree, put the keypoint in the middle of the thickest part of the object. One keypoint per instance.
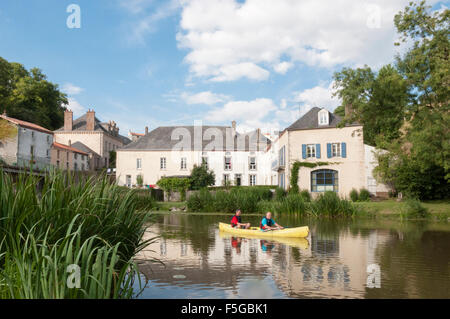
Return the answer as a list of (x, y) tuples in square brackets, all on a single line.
[(28, 96), (112, 159), (201, 177)]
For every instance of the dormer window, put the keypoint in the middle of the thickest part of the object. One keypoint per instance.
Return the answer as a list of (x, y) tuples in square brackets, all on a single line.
[(324, 117)]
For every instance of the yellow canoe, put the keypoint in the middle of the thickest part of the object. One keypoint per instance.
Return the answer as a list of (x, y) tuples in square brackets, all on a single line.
[(299, 232), (298, 242)]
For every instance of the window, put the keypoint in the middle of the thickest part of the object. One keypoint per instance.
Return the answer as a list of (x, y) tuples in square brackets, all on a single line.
[(75, 167), (252, 163), (281, 180), (252, 180), (57, 154), (32, 150), (139, 163), (48, 153), (57, 164), (237, 179), (48, 138), (310, 150), (336, 149), (205, 161), (324, 180), (226, 179), (82, 167), (323, 117), (32, 135), (162, 163), (282, 156), (183, 163), (128, 181), (75, 155), (228, 163)]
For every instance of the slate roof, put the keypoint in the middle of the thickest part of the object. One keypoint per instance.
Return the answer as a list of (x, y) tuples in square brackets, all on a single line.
[(83, 147), (310, 121), (26, 124), (160, 139)]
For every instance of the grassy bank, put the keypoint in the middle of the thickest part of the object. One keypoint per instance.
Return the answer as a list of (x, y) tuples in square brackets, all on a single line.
[(328, 204), (91, 226)]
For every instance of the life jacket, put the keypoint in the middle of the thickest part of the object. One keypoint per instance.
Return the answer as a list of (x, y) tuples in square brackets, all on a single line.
[(233, 224), (269, 223)]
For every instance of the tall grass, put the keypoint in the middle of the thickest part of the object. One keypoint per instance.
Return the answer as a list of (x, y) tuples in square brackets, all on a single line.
[(258, 201), (90, 223)]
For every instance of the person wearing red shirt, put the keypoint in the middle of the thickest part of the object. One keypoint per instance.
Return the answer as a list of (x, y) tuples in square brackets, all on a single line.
[(236, 221)]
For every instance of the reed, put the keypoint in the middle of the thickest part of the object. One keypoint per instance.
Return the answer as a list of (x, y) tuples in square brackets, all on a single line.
[(90, 222)]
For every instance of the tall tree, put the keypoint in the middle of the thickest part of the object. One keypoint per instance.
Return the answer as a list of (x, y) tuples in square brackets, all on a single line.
[(28, 96)]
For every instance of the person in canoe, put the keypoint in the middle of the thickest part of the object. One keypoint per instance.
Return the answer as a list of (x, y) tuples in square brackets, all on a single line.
[(237, 223), (267, 223)]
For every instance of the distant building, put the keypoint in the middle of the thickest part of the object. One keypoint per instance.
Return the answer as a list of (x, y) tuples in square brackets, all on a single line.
[(67, 157), (315, 138), (25, 144), (238, 159), (135, 136), (96, 138)]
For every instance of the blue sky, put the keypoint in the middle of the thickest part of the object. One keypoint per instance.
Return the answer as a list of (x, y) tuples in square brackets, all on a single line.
[(147, 62)]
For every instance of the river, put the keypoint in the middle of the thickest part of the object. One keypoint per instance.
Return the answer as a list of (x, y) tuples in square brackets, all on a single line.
[(362, 258)]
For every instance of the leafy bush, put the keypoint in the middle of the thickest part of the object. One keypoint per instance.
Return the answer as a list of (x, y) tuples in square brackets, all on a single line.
[(201, 177), (364, 195), (412, 208), (354, 196)]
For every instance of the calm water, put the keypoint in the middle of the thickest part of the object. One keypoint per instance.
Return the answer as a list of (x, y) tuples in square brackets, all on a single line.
[(201, 262)]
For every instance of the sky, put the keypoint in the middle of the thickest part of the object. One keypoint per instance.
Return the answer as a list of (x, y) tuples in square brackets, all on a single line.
[(262, 63)]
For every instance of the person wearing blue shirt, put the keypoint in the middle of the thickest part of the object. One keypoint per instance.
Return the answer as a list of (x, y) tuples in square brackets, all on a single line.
[(267, 223)]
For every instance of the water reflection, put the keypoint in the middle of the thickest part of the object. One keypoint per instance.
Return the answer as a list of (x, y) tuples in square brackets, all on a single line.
[(201, 262)]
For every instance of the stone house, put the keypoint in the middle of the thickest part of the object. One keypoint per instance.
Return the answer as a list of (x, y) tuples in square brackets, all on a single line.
[(67, 157), (316, 138), (239, 159), (25, 144), (90, 135)]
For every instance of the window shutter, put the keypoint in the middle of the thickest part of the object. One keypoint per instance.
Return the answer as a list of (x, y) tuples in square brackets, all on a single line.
[(317, 150), (304, 151), (329, 150), (344, 150)]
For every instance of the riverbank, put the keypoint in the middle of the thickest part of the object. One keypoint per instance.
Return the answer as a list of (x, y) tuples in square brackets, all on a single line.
[(438, 210)]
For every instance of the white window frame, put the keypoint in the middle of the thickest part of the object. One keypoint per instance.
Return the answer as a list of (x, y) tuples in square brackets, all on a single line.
[(162, 163), (324, 117), (227, 166), (252, 180), (310, 150), (336, 150), (183, 163), (139, 163), (252, 166)]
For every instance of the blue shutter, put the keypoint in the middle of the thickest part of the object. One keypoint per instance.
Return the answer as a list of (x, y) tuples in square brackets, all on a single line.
[(317, 150), (344, 150), (329, 150), (304, 151)]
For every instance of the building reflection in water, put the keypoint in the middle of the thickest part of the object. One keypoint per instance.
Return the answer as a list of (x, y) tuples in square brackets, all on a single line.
[(332, 266)]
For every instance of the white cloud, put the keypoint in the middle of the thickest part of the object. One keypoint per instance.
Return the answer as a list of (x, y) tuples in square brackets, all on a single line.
[(283, 67), (71, 89), (77, 109), (206, 97), (228, 40), (320, 96), (242, 110)]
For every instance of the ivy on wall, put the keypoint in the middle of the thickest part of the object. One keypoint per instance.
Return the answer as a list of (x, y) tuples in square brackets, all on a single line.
[(296, 168)]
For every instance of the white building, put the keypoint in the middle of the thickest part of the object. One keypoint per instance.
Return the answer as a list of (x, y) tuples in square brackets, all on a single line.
[(25, 144), (240, 159)]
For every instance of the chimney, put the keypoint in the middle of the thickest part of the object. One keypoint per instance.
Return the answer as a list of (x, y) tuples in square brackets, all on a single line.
[(68, 120), (233, 125), (90, 120), (146, 130)]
